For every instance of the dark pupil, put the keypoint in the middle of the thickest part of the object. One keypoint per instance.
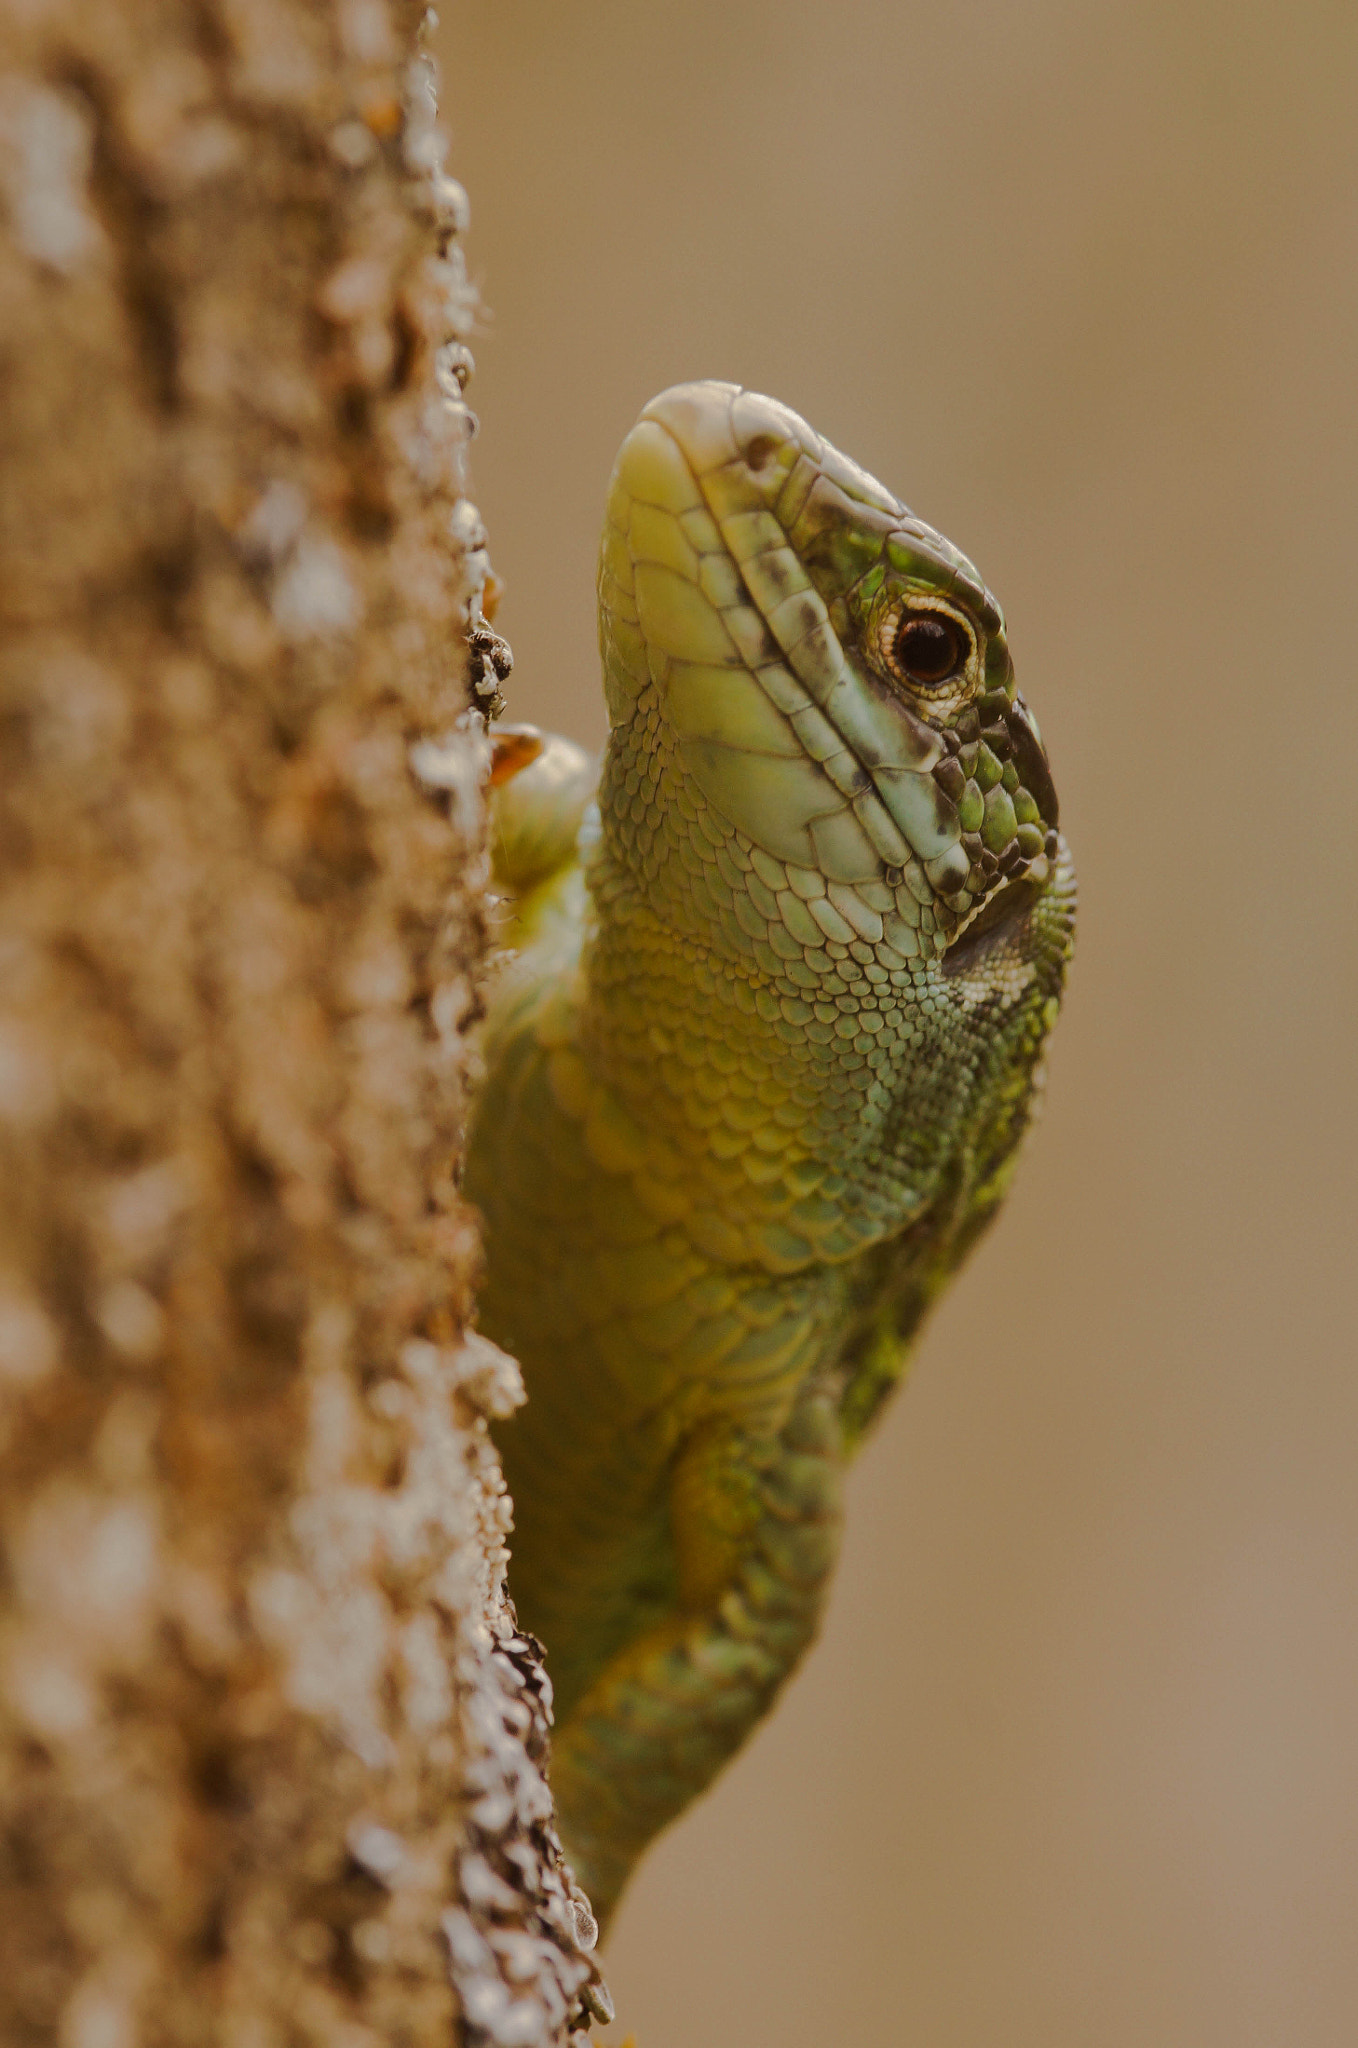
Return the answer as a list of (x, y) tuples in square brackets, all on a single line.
[(929, 649)]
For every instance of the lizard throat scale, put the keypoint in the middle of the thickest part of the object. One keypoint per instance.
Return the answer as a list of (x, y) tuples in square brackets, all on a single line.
[(756, 1071)]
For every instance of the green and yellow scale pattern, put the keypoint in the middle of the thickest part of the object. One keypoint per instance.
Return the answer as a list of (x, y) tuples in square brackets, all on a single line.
[(769, 1033)]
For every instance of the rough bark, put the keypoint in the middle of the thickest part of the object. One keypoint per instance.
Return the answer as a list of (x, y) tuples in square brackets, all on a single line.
[(269, 1746)]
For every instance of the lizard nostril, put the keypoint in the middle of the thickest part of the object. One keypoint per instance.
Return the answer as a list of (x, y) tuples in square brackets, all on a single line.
[(760, 450)]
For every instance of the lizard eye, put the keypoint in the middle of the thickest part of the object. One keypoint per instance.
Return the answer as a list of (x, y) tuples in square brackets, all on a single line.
[(930, 648)]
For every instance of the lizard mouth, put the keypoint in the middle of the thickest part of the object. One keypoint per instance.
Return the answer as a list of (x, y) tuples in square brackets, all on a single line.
[(996, 923)]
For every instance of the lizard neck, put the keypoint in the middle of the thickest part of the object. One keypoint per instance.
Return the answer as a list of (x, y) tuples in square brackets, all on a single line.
[(795, 1096)]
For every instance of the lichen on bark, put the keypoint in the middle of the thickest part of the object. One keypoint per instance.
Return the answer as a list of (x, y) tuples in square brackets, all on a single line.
[(270, 1748)]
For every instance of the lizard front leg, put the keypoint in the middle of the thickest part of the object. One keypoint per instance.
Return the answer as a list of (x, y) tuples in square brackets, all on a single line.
[(756, 1530)]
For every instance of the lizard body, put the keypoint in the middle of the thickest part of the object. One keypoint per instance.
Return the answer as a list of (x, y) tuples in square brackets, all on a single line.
[(755, 1074)]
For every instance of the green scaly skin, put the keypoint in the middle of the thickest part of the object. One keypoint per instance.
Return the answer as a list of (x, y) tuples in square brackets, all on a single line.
[(756, 1074)]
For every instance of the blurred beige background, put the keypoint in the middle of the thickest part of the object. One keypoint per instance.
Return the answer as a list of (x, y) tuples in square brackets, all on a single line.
[(1076, 1762)]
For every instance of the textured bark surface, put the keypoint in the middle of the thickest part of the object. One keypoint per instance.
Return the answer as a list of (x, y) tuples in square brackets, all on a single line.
[(269, 1747)]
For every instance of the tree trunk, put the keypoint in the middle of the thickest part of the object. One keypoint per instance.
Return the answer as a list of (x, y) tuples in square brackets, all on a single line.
[(269, 1745)]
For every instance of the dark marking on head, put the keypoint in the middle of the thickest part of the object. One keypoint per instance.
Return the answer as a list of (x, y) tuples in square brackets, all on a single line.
[(1030, 758), (838, 539)]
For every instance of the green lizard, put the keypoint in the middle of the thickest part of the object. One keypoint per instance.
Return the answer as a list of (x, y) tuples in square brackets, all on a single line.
[(755, 1072)]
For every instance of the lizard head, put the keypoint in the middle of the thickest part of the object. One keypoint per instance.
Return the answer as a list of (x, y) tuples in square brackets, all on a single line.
[(835, 676)]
